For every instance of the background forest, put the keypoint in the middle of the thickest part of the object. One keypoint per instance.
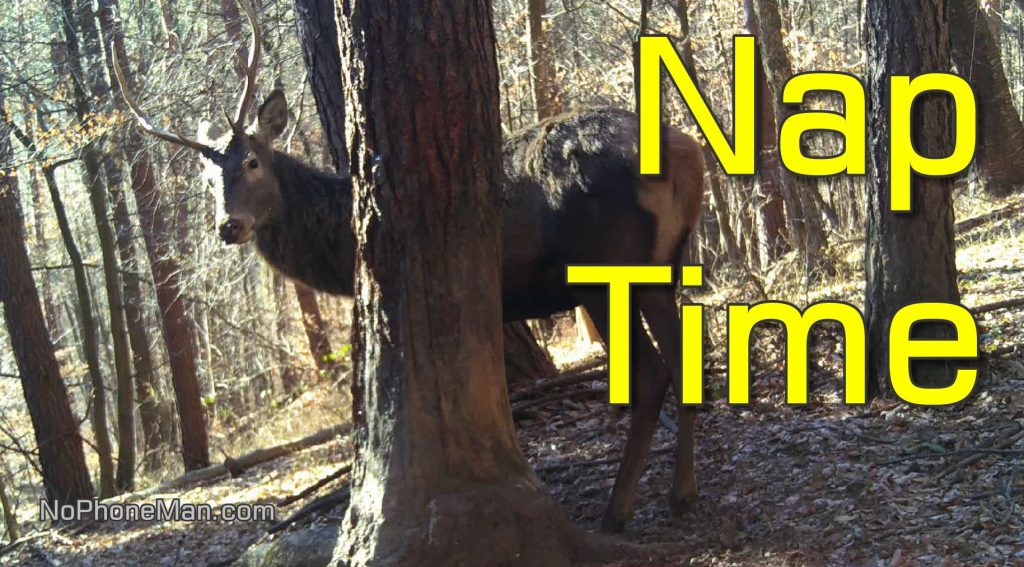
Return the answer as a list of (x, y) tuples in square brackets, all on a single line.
[(178, 352)]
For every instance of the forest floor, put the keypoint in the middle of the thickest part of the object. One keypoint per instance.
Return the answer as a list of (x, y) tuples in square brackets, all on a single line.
[(887, 484)]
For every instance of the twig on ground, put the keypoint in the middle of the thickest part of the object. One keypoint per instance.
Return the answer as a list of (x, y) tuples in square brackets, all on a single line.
[(316, 486), (588, 393), (597, 462), (568, 380), (322, 503)]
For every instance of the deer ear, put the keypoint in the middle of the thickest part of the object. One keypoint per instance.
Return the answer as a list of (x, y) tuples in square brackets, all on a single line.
[(273, 116)]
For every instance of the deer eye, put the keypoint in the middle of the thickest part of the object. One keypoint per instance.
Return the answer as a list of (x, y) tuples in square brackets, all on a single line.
[(253, 163)]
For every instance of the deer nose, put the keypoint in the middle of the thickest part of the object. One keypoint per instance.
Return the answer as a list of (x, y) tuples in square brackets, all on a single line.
[(230, 231)]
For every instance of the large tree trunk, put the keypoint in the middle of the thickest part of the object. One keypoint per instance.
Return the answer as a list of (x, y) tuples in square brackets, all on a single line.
[(92, 159), (316, 21), (910, 256), (61, 458), (436, 442), (1000, 130), (157, 233)]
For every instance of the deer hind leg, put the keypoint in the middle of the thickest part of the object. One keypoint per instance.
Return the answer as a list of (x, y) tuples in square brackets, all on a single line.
[(649, 383), (661, 314)]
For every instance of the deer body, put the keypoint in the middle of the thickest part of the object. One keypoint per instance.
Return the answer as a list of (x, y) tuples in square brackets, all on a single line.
[(572, 195)]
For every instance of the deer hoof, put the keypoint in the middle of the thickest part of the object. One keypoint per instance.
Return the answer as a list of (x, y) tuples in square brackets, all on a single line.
[(680, 503), (612, 525)]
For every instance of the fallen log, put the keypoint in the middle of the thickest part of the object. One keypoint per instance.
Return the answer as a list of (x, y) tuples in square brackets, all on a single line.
[(977, 221), (245, 461)]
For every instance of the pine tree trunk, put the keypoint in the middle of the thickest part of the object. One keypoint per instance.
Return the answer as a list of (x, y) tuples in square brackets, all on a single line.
[(910, 256), (61, 457), (435, 435)]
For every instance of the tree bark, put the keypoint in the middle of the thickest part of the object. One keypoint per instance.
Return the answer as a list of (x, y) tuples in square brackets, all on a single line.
[(545, 87), (436, 442), (978, 58), (317, 33), (147, 383), (157, 233), (910, 257), (802, 216), (61, 458)]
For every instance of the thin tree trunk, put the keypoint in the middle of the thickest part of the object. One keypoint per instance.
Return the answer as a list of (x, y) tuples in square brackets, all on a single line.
[(910, 257), (313, 323), (802, 216), (92, 159), (545, 87), (89, 339), (61, 458), (10, 514), (436, 442), (178, 327), (719, 202), (147, 383)]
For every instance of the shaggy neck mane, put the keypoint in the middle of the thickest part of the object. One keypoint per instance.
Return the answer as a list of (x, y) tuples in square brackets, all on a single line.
[(310, 238)]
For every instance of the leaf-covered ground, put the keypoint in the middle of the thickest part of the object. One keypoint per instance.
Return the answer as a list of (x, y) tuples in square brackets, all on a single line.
[(824, 484)]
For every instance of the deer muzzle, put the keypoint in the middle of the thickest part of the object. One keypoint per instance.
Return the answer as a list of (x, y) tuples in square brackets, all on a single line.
[(235, 231)]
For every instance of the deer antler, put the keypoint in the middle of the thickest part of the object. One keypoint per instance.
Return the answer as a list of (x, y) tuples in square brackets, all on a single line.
[(248, 69), (144, 122)]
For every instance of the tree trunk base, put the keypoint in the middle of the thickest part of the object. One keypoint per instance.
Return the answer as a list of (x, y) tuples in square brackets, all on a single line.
[(511, 524)]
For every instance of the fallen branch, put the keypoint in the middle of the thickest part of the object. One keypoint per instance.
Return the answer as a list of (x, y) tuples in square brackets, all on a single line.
[(322, 503), (998, 305), (588, 393), (569, 380), (977, 221), (1003, 351), (1005, 442), (246, 461), (316, 486), (597, 462)]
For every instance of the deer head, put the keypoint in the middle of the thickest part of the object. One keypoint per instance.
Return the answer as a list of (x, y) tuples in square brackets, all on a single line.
[(246, 190)]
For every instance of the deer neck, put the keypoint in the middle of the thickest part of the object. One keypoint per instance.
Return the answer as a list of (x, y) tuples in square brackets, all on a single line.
[(311, 237)]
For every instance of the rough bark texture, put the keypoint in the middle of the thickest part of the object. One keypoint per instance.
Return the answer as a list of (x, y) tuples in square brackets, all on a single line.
[(771, 215), (61, 458), (318, 35), (910, 256), (439, 479), (978, 58), (178, 327)]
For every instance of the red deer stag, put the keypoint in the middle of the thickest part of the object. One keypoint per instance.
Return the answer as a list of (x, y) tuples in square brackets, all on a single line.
[(572, 195)]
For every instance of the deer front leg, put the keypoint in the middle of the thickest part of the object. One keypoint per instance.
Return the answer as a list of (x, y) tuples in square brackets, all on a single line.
[(649, 383), (659, 309)]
